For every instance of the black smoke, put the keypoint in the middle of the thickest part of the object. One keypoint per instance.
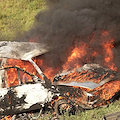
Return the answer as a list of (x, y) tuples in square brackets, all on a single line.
[(65, 23)]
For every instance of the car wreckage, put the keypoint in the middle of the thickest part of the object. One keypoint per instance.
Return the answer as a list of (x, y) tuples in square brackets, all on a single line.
[(86, 87)]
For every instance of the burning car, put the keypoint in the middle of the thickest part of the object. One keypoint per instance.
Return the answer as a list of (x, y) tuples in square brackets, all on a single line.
[(24, 87)]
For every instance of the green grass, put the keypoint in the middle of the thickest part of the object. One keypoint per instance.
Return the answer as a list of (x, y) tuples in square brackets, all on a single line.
[(94, 114), (18, 15)]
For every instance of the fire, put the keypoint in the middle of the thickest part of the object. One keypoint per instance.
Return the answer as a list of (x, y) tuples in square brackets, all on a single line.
[(81, 53), (7, 118), (87, 53), (108, 46), (104, 94), (12, 77), (73, 60), (109, 93), (47, 70)]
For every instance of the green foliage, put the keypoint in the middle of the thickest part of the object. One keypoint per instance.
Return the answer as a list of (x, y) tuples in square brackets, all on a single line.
[(18, 15)]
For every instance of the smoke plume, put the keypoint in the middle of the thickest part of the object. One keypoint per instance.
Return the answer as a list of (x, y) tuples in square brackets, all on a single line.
[(65, 23)]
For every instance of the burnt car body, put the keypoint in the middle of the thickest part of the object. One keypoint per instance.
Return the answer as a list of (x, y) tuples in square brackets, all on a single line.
[(86, 87)]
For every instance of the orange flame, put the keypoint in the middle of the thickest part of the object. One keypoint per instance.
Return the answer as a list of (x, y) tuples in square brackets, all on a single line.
[(7, 118), (85, 53), (12, 77), (108, 46), (47, 70), (77, 53), (82, 53)]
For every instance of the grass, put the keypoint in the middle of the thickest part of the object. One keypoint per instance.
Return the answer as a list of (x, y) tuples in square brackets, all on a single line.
[(18, 15), (94, 114)]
